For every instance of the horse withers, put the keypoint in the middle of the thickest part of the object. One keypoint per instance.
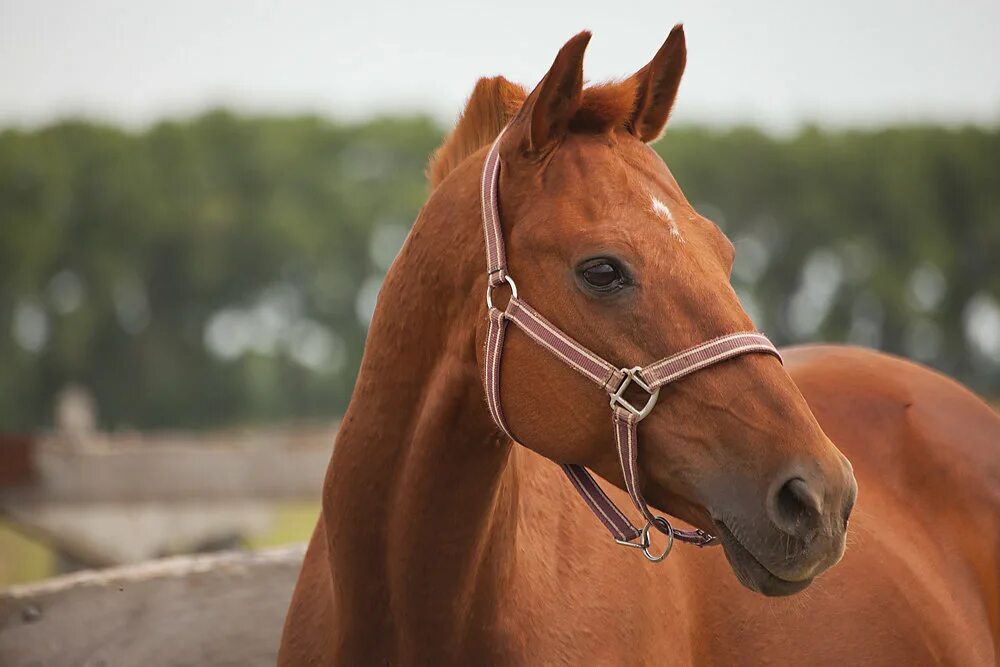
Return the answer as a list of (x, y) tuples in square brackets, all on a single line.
[(444, 540)]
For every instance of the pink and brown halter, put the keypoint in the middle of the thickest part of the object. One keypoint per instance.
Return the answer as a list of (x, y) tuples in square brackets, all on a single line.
[(610, 378)]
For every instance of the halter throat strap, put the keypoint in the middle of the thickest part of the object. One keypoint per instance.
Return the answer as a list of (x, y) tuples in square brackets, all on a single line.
[(612, 379)]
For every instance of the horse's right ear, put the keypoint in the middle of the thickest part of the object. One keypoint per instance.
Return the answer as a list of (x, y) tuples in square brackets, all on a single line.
[(544, 118)]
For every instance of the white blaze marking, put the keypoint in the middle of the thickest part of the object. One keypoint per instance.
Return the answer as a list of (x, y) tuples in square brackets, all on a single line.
[(661, 210)]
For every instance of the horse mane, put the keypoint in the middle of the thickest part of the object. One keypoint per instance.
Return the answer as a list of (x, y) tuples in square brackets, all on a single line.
[(495, 100)]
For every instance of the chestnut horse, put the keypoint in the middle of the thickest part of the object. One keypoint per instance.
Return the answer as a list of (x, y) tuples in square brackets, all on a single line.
[(442, 541)]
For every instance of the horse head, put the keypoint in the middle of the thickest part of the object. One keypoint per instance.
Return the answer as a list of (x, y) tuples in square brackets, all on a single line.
[(603, 241)]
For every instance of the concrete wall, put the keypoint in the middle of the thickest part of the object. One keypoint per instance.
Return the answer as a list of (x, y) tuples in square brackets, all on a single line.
[(220, 610)]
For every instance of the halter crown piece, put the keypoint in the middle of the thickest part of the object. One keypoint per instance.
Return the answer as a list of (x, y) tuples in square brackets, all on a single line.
[(610, 378)]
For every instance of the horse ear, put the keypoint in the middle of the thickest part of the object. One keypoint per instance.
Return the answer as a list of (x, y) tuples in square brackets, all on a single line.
[(546, 113), (656, 87)]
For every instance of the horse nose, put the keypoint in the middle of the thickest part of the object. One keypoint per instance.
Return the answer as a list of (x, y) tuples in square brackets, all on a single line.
[(798, 504), (795, 507)]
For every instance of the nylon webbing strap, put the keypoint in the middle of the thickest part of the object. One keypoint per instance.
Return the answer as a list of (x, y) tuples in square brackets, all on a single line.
[(591, 366), (494, 345), (700, 356), (576, 356), (602, 506), (628, 456), (496, 257)]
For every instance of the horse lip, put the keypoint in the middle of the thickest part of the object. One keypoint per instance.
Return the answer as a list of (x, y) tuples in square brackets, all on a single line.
[(750, 571)]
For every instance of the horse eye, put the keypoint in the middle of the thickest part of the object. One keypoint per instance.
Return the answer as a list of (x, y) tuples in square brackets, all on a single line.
[(602, 275)]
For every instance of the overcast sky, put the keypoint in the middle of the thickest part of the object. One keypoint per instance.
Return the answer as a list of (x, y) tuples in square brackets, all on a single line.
[(774, 62)]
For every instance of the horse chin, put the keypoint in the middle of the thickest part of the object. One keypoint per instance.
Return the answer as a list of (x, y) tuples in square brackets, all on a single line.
[(750, 572)]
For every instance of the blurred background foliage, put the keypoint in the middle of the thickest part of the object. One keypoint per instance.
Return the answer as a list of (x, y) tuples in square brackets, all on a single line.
[(223, 269)]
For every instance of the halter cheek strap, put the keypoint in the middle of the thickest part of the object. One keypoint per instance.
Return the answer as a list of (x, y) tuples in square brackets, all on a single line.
[(612, 379)]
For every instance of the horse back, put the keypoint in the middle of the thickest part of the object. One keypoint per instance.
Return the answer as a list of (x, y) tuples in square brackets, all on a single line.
[(926, 453)]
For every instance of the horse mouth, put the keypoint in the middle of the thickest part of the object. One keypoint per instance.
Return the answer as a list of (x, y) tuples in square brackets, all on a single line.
[(751, 572)]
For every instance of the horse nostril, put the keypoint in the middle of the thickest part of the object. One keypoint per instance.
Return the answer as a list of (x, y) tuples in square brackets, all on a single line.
[(852, 497), (796, 508)]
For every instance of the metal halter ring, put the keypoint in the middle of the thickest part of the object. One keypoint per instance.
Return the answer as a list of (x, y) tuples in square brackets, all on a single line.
[(490, 286), (618, 398), (643, 543), (666, 529)]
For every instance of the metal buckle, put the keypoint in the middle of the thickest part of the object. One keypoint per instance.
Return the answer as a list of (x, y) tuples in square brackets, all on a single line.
[(643, 542), (632, 375), (490, 286)]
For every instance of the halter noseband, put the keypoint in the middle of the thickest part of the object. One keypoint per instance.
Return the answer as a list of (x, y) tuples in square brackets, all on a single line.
[(610, 378)]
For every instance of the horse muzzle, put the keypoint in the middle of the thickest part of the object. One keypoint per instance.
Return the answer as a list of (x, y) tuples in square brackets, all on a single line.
[(800, 533)]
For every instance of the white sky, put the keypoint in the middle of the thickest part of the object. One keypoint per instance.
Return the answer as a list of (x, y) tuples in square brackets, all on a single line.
[(774, 62)]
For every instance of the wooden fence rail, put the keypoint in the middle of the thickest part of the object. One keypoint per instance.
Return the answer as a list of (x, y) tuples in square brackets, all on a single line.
[(224, 610)]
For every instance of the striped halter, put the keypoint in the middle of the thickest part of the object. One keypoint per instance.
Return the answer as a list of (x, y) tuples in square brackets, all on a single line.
[(610, 378)]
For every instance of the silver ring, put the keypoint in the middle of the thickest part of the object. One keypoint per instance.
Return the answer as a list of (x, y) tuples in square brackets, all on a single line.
[(490, 286), (666, 529)]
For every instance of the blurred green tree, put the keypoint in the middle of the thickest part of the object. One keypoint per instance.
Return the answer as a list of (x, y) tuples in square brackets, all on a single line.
[(222, 270)]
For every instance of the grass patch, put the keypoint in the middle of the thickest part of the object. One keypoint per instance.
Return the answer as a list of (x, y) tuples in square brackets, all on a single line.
[(22, 559), (293, 522)]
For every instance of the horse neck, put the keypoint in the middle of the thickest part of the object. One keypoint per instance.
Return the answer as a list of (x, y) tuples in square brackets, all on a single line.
[(420, 502)]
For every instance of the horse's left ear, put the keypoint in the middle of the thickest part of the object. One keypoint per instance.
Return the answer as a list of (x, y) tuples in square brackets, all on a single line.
[(656, 87)]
